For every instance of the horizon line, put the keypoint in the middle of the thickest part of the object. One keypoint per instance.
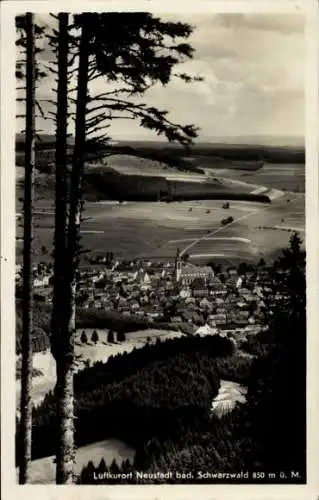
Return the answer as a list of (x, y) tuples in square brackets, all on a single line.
[(257, 140)]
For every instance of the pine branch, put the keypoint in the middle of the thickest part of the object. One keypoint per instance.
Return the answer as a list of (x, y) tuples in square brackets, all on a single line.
[(95, 120), (39, 107), (93, 130)]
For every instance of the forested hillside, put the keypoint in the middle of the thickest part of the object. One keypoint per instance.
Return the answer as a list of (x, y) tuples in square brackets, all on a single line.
[(268, 434), (149, 392)]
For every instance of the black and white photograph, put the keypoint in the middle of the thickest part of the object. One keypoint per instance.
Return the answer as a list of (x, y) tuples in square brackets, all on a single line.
[(160, 248)]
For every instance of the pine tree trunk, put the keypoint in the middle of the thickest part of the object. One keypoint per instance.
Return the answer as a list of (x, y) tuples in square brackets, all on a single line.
[(65, 456), (27, 367), (61, 348), (65, 364), (77, 174), (63, 335), (61, 161)]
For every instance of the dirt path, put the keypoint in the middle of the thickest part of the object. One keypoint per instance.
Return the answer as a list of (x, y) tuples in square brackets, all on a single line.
[(219, 230), (223, 228)]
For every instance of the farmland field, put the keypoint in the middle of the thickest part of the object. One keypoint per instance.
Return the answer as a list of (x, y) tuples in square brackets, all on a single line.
[(155, 229), (131, 165), (289, 177), (257, 230)]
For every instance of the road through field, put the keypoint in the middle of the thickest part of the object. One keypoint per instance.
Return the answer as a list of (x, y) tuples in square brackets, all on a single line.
[(211, 235), (155, 230), (219, 230), (226, 238)]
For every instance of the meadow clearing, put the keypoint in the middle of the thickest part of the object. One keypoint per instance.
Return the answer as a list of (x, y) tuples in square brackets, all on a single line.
[(126, 164), (88, 353), (287, 177), (257, 231), (290, 177), (156, 230), (42, 470)]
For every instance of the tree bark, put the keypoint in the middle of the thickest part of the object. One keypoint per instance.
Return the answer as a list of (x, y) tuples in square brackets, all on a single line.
[(65, 456), (61, 348), (76, 188), (26, 342), (66, 263), (64, 317), (77, 173), (61, 161)]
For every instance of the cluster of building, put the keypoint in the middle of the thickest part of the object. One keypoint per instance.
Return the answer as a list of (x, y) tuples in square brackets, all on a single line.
[(42, 275), (176, 292)]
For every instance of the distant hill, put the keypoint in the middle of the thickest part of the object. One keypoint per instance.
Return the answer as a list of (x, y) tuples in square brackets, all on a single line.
[(106, 183), (292, 143), (257, 140), (43, 141), (199, 153), (206, 152)]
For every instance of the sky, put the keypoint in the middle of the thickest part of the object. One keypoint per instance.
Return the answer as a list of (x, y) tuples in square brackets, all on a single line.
[(253, 70)]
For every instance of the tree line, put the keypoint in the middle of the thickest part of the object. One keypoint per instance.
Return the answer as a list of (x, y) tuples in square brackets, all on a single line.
[(85, 318)]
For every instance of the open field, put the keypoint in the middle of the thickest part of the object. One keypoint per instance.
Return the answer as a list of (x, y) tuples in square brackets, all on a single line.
[(123, 176), (118, 229), (136, 183), (289, 177), (228, 395), (126, 164), (103, 182), (90, 353), (156, 230), (257, 231)]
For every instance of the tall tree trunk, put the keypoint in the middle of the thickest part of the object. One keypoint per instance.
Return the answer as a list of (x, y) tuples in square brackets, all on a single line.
[(77, 173), (27, 367), (65, 363), (59, 325)]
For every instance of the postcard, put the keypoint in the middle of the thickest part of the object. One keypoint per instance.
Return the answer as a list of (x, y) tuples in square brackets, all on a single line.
[(159, 249)]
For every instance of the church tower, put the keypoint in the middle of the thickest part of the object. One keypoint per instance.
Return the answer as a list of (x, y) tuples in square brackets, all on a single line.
[(178, 267)]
